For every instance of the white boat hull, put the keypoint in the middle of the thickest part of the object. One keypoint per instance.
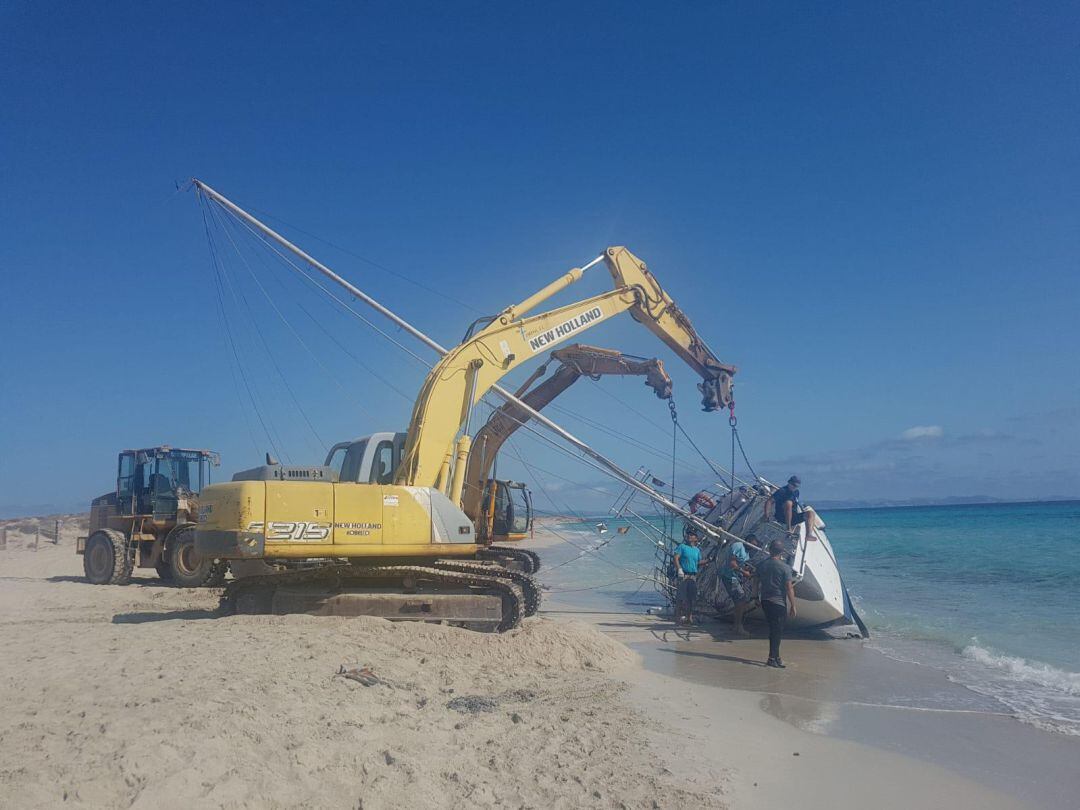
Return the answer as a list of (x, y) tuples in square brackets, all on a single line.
[(819, 595)]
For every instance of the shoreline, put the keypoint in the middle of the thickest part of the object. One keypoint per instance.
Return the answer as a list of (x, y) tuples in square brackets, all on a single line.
[(888, 717)]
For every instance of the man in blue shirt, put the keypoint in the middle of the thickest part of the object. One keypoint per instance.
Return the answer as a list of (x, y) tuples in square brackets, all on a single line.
[(687, 561)]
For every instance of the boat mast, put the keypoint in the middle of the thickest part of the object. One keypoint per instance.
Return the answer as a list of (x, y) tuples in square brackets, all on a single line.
[(613, 468)]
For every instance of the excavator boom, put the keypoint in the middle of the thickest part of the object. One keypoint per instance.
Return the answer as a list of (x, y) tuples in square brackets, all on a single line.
[(574, 361), (471, 369)]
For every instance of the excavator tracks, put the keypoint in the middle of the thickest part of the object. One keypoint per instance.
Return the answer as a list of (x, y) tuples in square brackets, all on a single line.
[(529, 586), (256, 594), (529, 561)]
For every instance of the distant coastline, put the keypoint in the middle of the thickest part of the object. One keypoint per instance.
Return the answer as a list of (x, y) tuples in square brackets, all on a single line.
[(916, 503)]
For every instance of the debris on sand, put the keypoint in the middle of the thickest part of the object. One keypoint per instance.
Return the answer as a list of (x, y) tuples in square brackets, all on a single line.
[(472, 704), (364, 675)]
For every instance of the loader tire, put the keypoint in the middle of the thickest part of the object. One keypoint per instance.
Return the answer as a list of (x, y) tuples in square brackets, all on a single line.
[(107, 558), (187, 568)]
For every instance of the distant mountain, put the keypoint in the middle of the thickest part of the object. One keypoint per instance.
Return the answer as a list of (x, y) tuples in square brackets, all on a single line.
[(955, 500)]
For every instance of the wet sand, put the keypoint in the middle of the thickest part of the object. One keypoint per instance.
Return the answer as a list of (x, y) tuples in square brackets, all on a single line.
[(844, 690), (870, 730)]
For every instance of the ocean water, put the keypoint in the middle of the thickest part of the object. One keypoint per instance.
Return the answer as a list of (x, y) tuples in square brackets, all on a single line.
[(986, 594)]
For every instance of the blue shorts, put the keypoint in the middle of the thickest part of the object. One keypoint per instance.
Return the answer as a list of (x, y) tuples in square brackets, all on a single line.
[(736, 590)]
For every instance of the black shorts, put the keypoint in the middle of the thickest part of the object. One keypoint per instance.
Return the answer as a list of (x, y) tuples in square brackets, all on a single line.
[(687, 594)]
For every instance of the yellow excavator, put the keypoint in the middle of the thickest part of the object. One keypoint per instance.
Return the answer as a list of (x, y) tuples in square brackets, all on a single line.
[(500, 509), (393, 511)]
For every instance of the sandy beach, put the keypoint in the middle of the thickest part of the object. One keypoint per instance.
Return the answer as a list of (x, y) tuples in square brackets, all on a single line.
[(142, 696)]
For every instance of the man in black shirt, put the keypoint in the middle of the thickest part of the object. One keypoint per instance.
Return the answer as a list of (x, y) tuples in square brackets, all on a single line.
[(788, 512), (777, 593)]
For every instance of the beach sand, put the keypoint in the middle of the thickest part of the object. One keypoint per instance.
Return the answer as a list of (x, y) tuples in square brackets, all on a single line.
[(141, 696)]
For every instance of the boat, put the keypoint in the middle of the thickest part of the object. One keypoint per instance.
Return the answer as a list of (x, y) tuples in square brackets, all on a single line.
[(821, 598)]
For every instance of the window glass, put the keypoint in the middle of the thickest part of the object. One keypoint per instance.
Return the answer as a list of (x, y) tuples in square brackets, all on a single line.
[(354, 457), (337, 459), (382, 465), (519, 521), (165, 476), (127, 473), (184, 472)]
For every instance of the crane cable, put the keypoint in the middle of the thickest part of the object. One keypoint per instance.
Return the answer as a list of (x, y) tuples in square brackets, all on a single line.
[(674, 443)]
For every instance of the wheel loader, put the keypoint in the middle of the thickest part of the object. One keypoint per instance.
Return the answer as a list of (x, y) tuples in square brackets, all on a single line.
[(148, 521)]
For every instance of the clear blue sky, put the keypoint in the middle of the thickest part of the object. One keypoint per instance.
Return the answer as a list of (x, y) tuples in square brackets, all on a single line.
[(871, 209)]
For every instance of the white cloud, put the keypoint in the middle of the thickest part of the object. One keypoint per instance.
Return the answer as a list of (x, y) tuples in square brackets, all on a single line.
[(922, 432)]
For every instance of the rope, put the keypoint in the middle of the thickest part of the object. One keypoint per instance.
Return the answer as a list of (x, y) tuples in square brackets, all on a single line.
[(598, 587)]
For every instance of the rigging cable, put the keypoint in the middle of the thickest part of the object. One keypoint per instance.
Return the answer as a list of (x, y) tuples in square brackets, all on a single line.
[(219, 277), (302, 342), (371, 262), (319, 324), (547, 495), (229, 341), (266, 345), (738, 438), (344, 304), (717, 471)]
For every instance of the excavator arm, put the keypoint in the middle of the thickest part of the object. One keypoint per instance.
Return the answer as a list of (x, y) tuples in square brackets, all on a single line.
[(574, 361), (468, 371)]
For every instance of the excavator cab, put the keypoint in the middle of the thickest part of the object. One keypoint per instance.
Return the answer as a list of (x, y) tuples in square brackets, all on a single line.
[(507, 510), (371, 459), (506, 513)]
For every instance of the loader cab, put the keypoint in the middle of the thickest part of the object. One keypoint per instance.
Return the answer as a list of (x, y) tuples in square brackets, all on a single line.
[(371, 459), (154, 480), (507, 511)]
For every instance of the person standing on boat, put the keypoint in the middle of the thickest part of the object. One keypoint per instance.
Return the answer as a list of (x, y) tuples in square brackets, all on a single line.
[(788, 512), (687, 560), (777, 592)]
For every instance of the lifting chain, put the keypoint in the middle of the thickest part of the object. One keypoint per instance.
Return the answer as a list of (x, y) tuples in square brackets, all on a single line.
[(733, 420), (674, 439)]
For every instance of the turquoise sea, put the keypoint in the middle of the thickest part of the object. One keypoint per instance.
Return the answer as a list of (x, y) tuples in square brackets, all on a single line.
[(987, 594)]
